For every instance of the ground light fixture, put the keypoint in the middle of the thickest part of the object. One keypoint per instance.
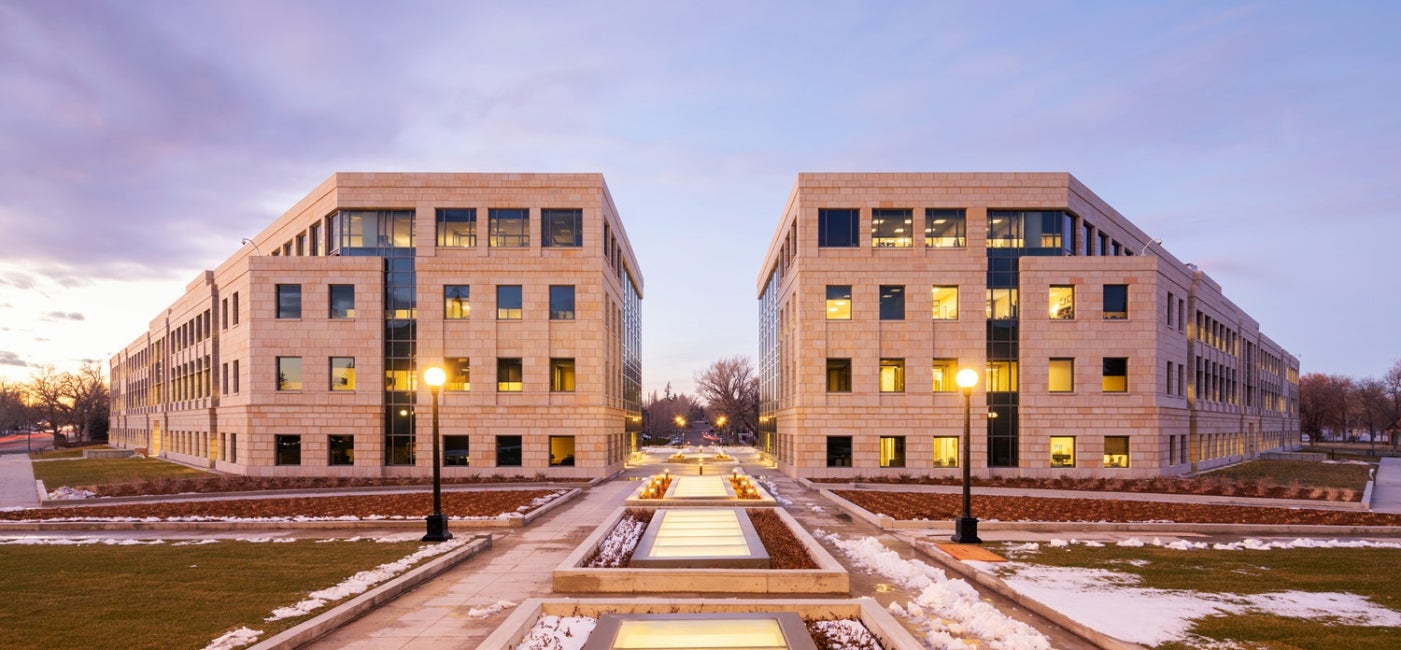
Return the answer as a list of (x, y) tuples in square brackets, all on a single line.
[(437, 523), (965, 528)]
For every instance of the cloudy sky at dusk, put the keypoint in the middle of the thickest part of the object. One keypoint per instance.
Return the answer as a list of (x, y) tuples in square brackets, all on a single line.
[(139, 141)]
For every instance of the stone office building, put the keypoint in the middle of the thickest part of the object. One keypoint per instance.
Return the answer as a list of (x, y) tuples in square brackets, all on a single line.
[(1100, 353), (301, 354)]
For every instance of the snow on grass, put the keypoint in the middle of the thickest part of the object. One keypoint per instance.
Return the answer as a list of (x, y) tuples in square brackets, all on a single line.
[(947, 609), (234, 639), (362, 581), (78, 541), (490, 610), (845, 634), (558, 633), (66, 493), (616, 549)]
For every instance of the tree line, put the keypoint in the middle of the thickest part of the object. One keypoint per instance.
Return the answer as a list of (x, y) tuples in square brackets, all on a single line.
[(72, 404), (727, 399), (1339, 407)]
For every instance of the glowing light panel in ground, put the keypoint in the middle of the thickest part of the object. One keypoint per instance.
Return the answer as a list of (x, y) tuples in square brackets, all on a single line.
[(701, 487)]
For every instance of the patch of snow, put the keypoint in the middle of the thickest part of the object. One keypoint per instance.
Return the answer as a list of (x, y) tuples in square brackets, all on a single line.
[(846, 634), (772, 490), (364, 580), (558, 633), (66, 493), (78, 541), (540, 501), (490, 610), (617, 547), (234, 639)]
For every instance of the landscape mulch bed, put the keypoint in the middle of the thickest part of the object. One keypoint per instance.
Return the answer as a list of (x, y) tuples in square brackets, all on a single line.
[(1208, 485), (931, 506), (484, 503)]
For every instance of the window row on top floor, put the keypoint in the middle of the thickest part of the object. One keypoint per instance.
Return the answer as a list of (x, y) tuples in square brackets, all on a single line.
[(510, 227), (1001, 304), (947, 228), (192, 331)]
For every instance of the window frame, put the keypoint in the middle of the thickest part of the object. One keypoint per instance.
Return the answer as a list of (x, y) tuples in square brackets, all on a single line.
[(460, 310), (1062, 459), (1116, 314), (497, 235), (843, 381), (287, 449), (453, 459), (897, 375), (550, 218), (510, 374), (948, 378), (510, 313), (900, 236), (445, 216), (286, 384), (454, 367), (1051, 374), (562, 314), (346, 457), (285, 294), (503, 457), (892, 306), (1109, 386), (331, 311), (563, 374), (834, 459), (835, 306), (1109, 463), (897, 451), (938, 309), (1058, 307), (332, 375), (959, 225), (830, 221)]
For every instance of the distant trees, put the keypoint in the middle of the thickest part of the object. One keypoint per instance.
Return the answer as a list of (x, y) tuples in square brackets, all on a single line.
[(659, 412), (1340, 405), (77, 402), (730, 389), (14, 414)]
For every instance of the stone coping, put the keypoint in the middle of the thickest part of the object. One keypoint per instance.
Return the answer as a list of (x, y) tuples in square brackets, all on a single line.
[(829, 578), (764, 501), (877, 620), (301, 492)]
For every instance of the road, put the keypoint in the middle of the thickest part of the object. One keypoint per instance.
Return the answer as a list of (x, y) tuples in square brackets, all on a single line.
[(22, 443)]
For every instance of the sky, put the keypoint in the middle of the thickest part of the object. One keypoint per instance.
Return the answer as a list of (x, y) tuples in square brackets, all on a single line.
[(141, 140)]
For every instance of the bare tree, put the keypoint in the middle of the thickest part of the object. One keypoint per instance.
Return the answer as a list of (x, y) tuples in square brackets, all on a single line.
[(1391, 384), (1371, 407), (659, 414), (13, 412), (46, 386), (1326, 404), (730, 388), (91, 400)]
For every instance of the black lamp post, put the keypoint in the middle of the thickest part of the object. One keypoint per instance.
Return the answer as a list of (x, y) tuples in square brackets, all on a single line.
[(965, 528), (437, 523)]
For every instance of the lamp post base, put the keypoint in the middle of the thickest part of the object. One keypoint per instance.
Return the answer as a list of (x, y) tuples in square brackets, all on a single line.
[(965, 531), (437, 529)]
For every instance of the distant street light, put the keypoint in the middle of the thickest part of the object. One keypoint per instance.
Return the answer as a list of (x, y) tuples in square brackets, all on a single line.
[(965, 528), (437, 523)]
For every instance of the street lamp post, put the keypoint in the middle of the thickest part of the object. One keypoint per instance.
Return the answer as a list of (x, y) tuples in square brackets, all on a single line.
[(437, 523), (965, 528)]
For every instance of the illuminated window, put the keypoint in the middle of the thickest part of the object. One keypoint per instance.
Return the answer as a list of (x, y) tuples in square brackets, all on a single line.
[(1062, 302), (945, 451), (561, 302), (561, 451), (944, 372), (839, 451), (562, 228), (288, 450), (509, 374), (341, 298), (838, 302), (1062, 451), (340, 450), (1001, 376), (508, 227), (457, 301), (561, 375), (1116, 375), (457, 228), (459, 373), (1116, 301), (1001, 304), (508, 302), (1116, 451), (892, 451), (1062, 376), (892, 375), (945, 302), (289, 301), (455, 451), (839, 375), (289, 373), (342, 373), (944, 228), (1004, 230), (837, 228), (892, 302), (892, 228)]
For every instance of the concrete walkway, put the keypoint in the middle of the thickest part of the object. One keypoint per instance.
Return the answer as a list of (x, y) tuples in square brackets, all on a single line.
[(17, 482), (1386, 490)]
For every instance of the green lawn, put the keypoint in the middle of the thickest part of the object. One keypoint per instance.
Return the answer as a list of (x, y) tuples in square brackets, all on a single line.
[(1365, 572), (1309, 474), (104, 471), (167, 596), (60, 453)]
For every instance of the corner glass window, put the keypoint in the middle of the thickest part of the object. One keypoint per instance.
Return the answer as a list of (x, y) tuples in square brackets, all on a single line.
[(1062, 376), (509, 376), (288, 450), (456, 451), (1116, 301), (837, 228), (459, 374), (1005, 230), (839, 451), (945, 451), (508, 302), (892, 228), (340, 450), (289, 301), (561, 375), (892, 302), (944, 371), (342, 301), (1062, 303), (508, 451), (1062, 451), (944, 228), (561, 302), (457, 301), (1116, 375), (1116, 451), (892, 451), (508, 227), (342, 373), (457, 228), (289, 373), (839, 375), (892, 375), (838, 302), (562, 228)]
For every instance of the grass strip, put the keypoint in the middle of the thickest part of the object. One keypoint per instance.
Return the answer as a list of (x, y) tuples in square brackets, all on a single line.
[(103, 471)]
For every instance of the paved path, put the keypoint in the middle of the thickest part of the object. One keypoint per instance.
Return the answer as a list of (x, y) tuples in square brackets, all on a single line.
[(17, 482), (1386, 492)]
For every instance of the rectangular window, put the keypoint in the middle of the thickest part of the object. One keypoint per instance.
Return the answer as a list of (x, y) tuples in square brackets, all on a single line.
[(459, 374), (1062, 302), (838, 302), (235, 376), (456, 451), (1168, 377), (341, 450), (1062, 376), (561, 451), (945, 451), (288, 450), (892, 228), (945, 302), (457, 227), (289, 301), (561, 375), (234, 303), (1116, 375), (561, 302), (224, 378), (1103, 246), (838, 228), (892, 451), (508, 302), (314, 239), (289, 373), (1116, 451), (892, 375), (944, 228), (301, 245), (562, 227), (342, 301), (1180, 307), (1062, 451), (508, 451), (1001, 377), (1001, 304), (509, 376), (342, 373), (224, 314), (1116, 301), (457, 301), (839, 451), (892, 302), (944, 372), (1170, 301), (508, 227), (839, 375)]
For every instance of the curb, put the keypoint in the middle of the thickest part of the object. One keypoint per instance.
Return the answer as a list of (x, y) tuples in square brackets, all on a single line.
[(296, 492), (354, 608)]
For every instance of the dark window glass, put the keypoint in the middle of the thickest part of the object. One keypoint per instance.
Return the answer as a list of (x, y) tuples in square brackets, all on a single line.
[(509, 227), (342, 450), (289, 301), (342, 300), (455, 451), (561, 302), (508, 302), (839, 451), (510, 376), (892, 228), (457, 228), (508, 451), (288, 449), (1116, 301), (892, 302), (944, 228), (839, 375), (1116, 375), (562, 227), (837, 228)]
